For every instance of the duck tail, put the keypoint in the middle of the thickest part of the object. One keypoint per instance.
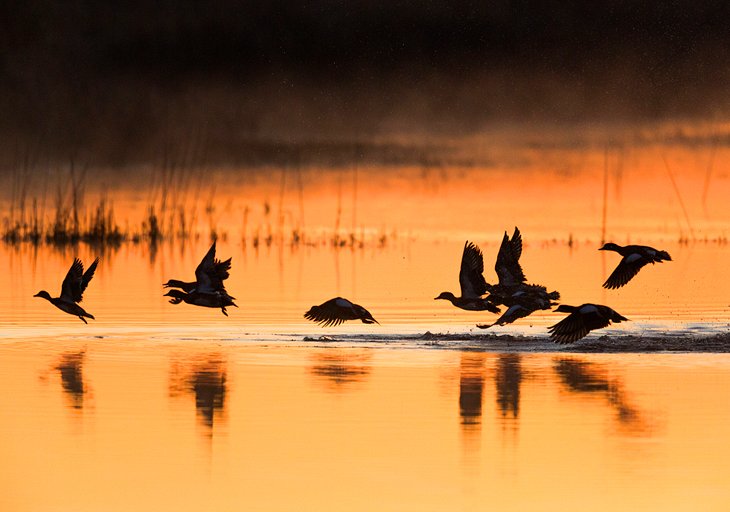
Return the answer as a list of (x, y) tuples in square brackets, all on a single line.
[(554, 296)]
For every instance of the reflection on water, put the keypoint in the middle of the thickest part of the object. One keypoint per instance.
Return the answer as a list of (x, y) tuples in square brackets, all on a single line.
[(508, 380), (584, 377), (339, 371), (402, 441), (206, 381), (70, 369), (471, 389)]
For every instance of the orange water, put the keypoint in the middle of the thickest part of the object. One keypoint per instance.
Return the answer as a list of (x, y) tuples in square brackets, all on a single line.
[(135, 423)]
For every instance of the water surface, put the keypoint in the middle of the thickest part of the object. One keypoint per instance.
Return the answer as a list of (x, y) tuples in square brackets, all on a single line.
[(129, 422)]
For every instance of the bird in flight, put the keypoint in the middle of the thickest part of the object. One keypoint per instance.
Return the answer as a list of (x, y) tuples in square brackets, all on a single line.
[(635, 257), (512, 290), (471, 280), (72, 290), (582, 320), (208, 289), (338, 310)]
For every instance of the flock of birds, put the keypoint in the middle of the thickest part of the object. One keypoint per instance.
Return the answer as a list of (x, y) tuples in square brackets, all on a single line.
[(511, 291), (522, 299)]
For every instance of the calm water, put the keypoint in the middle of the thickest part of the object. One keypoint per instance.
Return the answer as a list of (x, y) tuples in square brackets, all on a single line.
[(159, 423)]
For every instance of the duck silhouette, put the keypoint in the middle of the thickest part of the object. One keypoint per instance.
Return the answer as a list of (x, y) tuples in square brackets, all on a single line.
[(512, 290), (338, 310), (472, 283), (72, 290), (204, 299), (209, 275), (208, 289), (582, 320), (635, 257)]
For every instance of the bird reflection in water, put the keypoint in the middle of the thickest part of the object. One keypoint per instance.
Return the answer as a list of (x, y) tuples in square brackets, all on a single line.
[(206, 381), (585, 377), (508, 380), (339, 370), (70, 369), (471, 390)]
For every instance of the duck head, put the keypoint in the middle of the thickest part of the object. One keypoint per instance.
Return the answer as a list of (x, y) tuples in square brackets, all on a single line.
[(445, 296), (177, 294), (610, 246), (44, 294), (366, 317), (173, 283)]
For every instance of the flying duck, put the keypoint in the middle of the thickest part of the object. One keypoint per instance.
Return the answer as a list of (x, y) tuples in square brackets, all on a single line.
[(219, 299), (634, 259), (508, 268), (524, 301), (337, 310), (72, 290), (581, 320), (513, 313), (512, 289), (209, 275), (473, 285)]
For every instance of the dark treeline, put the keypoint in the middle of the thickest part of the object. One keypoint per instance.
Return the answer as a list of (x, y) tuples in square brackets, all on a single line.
[(117, 82)]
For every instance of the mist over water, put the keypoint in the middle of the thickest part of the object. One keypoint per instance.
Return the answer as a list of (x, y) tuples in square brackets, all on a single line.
[(273, 82)]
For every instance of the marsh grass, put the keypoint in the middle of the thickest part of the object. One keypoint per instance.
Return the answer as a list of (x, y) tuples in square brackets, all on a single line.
[(52, 204)]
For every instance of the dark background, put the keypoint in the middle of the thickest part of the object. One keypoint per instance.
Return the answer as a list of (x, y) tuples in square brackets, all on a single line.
[(116, 83)]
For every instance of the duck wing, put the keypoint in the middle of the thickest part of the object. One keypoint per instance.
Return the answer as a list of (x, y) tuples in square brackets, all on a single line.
[(471, 274), (576, 326), (211, 272), (331, 313), (513, 313), (76, 281), (627, 268), (508, 269), (221, 269), (516, 243)]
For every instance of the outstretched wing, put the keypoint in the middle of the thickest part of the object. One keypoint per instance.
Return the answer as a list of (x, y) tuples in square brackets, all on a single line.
[(516, 243), (76, 281), (513, 313), (508, 269), (211, 272), (627, 268), (333, 312), (576, 326), (569, 329), (471, 275)]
